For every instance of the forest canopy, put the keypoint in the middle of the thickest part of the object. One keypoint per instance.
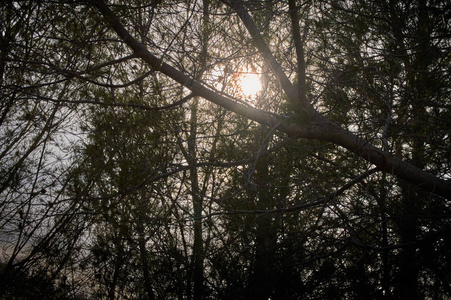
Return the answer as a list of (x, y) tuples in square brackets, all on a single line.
[(232, 149)]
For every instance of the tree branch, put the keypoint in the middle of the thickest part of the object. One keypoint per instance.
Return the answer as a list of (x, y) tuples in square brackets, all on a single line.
[(320, 128), (298, 42), (298, 101)]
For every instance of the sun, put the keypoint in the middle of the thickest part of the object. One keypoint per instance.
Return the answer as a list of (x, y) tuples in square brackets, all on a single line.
[(249, 84)]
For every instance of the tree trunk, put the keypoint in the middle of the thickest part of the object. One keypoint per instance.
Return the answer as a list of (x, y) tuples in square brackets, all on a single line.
[(261, 285), (263, 277), (144, 260), (198, 248)]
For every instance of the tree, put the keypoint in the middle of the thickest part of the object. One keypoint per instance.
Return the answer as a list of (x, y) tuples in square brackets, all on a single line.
[(321, 128), (39, 227), (331, 181)]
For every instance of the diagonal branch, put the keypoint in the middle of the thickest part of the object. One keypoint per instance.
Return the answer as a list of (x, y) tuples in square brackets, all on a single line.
[(320, 128), (191, 83), (299, 101)]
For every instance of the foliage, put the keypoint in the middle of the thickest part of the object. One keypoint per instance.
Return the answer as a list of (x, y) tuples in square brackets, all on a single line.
[(133, 166)]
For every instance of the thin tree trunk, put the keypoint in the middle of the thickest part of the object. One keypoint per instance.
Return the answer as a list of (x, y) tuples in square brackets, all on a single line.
[(264, 273), (144, 260), (386, 277), (198, 248)]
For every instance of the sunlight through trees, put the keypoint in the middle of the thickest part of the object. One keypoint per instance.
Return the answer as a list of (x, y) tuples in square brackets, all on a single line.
[(231, 149)]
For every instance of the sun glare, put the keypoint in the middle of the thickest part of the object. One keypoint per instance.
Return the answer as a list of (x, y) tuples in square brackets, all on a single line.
[(250, 84)]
